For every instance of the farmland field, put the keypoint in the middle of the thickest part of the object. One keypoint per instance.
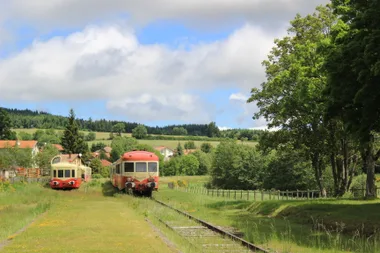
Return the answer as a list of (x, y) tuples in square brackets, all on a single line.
[(104, 136)]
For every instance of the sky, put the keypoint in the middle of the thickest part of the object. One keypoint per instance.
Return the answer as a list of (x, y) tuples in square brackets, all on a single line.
[(155, 62)]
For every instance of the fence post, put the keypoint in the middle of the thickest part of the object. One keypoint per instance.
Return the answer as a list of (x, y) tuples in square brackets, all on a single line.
[(235, 194), (312, 194), (307, 193), (262, 195), (229, 194), (297, 193), (247, 194), (270, 195), (287, 195), (279, 193)]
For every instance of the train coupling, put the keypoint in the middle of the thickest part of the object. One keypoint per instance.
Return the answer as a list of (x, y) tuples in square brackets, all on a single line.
[(130, 185)]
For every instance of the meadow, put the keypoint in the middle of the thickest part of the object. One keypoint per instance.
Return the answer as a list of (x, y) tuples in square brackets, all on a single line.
[(104, 138), (97, 217)]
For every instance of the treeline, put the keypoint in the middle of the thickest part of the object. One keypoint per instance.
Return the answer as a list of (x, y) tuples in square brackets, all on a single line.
[(42, 120)]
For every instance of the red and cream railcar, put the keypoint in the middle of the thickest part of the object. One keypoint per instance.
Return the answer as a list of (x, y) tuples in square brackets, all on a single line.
[(136, 172), (68, 174)]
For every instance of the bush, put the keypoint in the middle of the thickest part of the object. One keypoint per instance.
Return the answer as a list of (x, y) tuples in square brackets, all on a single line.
[(96, 176)]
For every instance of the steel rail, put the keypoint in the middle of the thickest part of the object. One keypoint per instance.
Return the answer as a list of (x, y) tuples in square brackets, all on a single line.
[(216, 229)]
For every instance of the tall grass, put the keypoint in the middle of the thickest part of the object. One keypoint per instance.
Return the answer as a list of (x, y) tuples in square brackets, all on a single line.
[(20, 203)]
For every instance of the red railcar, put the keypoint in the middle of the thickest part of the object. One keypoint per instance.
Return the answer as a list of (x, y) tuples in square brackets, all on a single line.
[(68, 173), (136, 172)]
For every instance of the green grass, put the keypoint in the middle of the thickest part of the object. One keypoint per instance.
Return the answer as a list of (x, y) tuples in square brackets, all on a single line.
[(20, 204), (86, 220), (295, 226)]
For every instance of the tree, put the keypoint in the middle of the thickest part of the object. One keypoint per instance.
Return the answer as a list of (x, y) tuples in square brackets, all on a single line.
[(96, 166), (24, 136), (354, 77), (43, 158), (206, 147), (213, 130), (190, 145), (190, 165), (72, 141), (120, 145), (179, 131), (139, 132), (97, 146), (293, 96), (91, 136), (205, 162), (5, 126), (179, 149), (118, 128), (236, 166)]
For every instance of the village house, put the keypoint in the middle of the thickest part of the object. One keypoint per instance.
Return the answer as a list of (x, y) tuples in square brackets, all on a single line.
[(165, 151), (32, 145)]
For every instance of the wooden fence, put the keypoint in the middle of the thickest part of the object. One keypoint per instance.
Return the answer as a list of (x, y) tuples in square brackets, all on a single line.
[(41, 180), (262, 195)]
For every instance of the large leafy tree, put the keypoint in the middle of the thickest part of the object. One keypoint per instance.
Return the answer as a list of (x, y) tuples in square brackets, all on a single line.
[(72, 141), (292, 95), (43, 158), (354, 77), (5, 126), (119, 128), (293, 98), (139, 132)]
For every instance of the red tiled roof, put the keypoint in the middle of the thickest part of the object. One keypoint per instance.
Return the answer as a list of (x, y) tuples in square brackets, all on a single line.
[(21, 144), (105, 163)]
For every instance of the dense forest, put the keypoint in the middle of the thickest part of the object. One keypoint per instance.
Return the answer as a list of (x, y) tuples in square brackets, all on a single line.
[(43, 120)]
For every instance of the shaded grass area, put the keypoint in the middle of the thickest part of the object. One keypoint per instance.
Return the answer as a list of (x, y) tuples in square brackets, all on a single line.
[(20, 204), (290, 226), (85, 220)]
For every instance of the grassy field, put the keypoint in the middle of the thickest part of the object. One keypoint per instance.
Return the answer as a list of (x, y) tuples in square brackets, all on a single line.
[(328, 225), (104, 136), (79, 221)]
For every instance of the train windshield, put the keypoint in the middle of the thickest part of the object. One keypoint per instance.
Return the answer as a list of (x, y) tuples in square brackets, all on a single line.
[(63, 173), (128, 167), (152, 167), (141, 167)]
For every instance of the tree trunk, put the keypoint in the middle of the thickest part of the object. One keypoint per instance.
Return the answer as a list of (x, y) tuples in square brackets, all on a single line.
[(369, 164), (316, 164)]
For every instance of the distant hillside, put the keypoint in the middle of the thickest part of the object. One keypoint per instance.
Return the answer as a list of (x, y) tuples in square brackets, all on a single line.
[(39, 119), (43, 120)]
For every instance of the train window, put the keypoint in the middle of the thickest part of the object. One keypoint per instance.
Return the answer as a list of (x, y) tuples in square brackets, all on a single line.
[(60, 173), (152, 167), (128, 167), (54, 173), (118, 169), (72, 173), (67, 173), (141, 167)]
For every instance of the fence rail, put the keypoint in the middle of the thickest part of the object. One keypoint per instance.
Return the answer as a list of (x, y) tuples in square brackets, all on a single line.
[(29, 180), (258, 195)]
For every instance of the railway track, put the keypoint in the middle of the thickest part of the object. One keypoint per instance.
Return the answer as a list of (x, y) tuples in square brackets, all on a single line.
[(206, 237)]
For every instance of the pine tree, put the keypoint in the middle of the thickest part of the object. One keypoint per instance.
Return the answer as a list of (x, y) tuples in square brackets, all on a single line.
[(72, 141), (5, 126), (179, 149)]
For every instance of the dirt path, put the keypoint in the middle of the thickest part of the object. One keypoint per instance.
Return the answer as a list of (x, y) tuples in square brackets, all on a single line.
[(89, 223)]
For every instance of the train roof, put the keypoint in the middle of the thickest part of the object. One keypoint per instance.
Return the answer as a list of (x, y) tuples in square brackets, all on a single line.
[(139, 156)]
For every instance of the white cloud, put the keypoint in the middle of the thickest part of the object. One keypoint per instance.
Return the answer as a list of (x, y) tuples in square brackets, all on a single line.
[(239, 97), (222, 128), (211, 13), (108, 62)]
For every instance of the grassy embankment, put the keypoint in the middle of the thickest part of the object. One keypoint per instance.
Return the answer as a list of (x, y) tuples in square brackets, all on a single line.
[(78, 221), (103, 137), (327, 225)]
